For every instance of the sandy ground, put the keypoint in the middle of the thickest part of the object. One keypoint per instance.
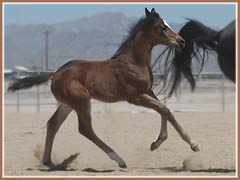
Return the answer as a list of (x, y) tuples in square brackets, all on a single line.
[(129, 134)]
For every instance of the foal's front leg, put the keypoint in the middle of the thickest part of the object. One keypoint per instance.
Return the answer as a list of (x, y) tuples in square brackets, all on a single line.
[(162, 136), (147, 101), (163, 132)]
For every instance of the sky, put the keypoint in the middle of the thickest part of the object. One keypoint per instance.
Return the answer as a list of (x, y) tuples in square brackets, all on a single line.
[(217, 15)]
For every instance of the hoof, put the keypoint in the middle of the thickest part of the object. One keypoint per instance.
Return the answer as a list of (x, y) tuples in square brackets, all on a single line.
[(154, 146), (63, 166), (59, 167), (124, 166), (53, 167), (47, 163), (195, 147)]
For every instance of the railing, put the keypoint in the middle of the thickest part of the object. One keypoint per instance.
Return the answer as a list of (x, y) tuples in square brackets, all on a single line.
[(214, 94)]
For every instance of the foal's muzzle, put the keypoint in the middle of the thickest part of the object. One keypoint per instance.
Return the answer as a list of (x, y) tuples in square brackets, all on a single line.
[(180, 44)]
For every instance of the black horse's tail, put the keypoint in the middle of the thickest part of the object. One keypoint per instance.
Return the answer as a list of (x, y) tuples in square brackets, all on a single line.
[(30, 81), (198, 39)]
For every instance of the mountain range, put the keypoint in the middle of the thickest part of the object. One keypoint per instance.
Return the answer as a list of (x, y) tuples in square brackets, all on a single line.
[(90, 38)]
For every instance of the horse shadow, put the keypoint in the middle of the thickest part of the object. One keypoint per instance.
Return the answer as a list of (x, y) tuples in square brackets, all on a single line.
[(91, 170), (51, 170), (210, 170), (169, 169)]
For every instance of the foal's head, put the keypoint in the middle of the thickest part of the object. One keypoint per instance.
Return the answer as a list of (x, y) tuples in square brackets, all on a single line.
[(159, 32)]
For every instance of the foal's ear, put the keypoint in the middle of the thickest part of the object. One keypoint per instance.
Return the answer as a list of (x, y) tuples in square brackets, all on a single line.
[(147, 12), (153, 10)]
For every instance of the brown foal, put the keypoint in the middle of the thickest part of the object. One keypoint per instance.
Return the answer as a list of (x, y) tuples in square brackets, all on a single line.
[(127, 76)]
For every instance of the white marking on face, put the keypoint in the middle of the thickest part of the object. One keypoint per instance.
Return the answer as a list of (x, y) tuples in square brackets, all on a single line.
[(165, 23)]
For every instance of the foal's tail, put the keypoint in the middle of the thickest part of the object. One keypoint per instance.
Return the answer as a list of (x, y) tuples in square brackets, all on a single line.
[(199, 40), (30, 81)]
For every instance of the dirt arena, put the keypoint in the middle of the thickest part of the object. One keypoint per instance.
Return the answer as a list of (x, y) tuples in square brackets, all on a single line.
[(130, 133)]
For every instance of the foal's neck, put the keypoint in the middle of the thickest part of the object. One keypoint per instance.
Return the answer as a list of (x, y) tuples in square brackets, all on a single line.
[(140, 50)]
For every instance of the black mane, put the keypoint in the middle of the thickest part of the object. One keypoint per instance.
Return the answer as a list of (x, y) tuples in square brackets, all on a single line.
[(142, 24), (131, 35)]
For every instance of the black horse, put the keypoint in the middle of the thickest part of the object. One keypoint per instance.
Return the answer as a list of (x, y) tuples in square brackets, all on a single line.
[(199, 40)]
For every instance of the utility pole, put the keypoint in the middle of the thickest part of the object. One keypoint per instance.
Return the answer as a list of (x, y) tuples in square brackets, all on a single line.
[(46, 50)]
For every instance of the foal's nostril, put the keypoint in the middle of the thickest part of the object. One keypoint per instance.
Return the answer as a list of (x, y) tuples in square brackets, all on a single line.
[(181, 43)]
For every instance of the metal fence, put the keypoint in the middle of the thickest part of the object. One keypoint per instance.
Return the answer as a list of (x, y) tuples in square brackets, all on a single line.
[(213, 93)]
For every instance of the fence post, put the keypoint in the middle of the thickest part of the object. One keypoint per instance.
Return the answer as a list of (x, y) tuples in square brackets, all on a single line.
[(105, 107), (18, 96), (18, 101), (164, 98), (38, 97), (223, 93)]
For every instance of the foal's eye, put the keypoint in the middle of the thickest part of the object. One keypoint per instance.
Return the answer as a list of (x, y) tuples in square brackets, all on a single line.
[(163, 28)]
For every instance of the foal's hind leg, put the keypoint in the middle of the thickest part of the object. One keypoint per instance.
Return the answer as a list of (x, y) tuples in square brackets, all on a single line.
[(149, 102), (86, 129), (53, 125), (81, 104)]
